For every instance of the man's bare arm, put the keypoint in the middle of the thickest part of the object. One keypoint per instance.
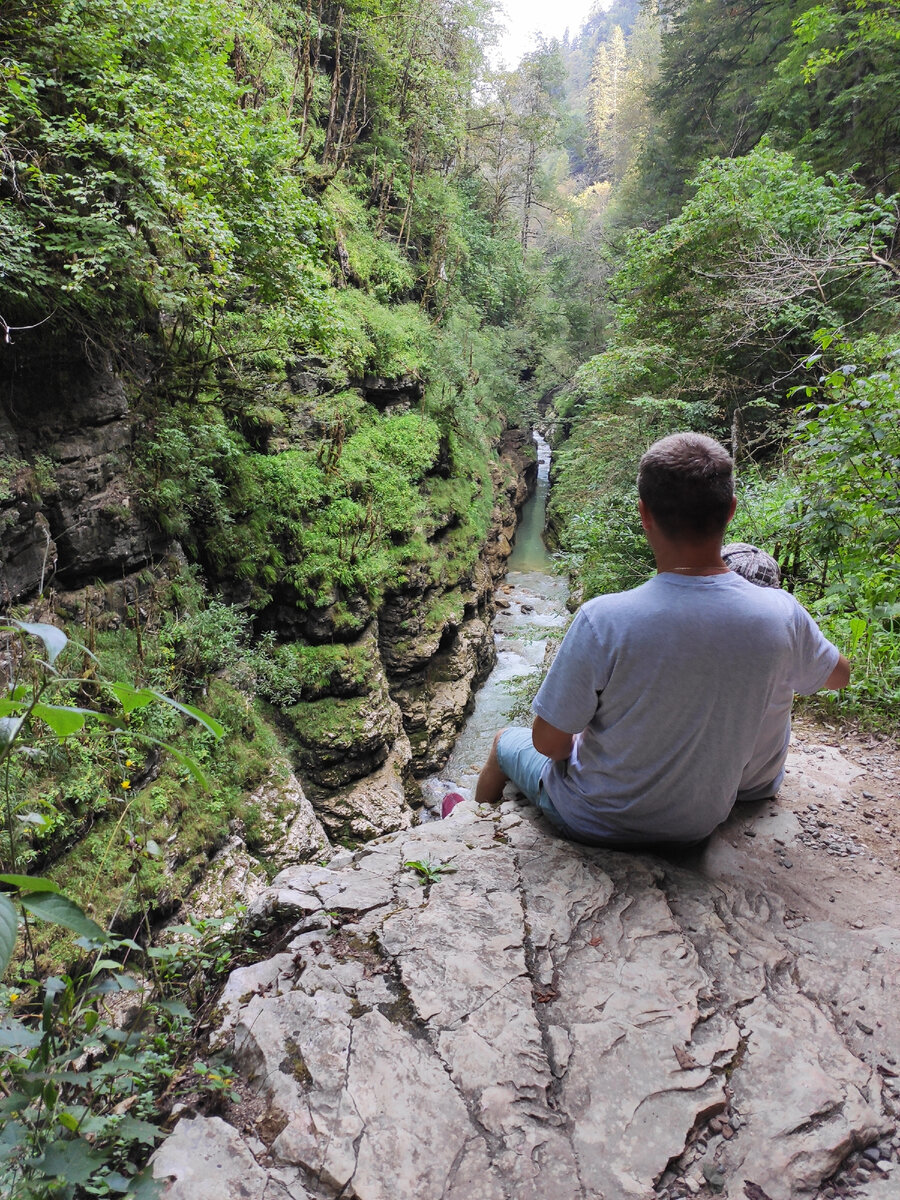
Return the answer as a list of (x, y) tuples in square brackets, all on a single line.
[(839, 677), (549, 740)]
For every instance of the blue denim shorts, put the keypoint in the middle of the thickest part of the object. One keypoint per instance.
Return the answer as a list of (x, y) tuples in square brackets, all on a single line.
[(523, 765)]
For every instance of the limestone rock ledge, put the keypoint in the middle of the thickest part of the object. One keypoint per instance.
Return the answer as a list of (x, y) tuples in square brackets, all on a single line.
[(544, 1020), (290, 832)]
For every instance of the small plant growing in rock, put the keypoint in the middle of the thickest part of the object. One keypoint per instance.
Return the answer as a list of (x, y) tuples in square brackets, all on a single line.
[(428, 871), (217, 1081)]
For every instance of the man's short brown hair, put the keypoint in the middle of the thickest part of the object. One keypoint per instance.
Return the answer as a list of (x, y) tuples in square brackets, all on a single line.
[(686, 481)]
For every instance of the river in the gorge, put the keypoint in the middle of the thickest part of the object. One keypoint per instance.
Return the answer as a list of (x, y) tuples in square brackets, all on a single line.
[(532, 607)]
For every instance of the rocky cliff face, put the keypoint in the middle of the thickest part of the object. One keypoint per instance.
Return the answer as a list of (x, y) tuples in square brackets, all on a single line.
[(430, 647), (74, 529), (436, 645), (67, 508)]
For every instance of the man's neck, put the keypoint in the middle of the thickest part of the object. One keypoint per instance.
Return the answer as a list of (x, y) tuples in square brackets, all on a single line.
[(690, 558)]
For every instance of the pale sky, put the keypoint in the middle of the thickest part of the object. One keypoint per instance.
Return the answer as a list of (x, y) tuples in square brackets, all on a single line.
[(549, 17)]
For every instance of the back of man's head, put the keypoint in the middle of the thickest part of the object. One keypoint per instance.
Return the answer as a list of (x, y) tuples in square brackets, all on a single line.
[(686, 481)]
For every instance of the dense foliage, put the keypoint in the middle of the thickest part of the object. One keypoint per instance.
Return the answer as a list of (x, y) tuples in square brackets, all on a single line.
[(751, 292), (815, 78)]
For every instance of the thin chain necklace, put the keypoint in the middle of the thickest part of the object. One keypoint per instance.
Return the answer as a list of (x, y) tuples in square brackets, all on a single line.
[(698, 571)]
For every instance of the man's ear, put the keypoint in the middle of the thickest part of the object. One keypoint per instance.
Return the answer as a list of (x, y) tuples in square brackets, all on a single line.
[(647, 516), (731, 510)]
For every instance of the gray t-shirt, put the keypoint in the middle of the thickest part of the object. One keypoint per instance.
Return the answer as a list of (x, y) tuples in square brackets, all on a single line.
[(680, 693)]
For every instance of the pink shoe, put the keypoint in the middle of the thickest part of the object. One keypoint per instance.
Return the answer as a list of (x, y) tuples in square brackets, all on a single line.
[(450, 802)]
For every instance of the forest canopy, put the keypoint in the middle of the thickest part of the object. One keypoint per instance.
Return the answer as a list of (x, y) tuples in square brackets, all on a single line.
[(737, 169)]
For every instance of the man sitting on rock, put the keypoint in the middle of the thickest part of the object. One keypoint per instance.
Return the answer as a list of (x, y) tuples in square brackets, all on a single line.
[(667, 703)]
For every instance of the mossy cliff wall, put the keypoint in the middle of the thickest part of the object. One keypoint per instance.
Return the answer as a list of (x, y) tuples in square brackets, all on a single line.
[(359, 690)]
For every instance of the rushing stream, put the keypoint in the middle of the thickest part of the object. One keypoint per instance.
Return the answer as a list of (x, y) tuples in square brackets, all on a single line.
[(537, 608)]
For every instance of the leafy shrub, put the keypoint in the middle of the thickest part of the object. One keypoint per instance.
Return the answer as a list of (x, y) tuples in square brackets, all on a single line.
[(847, 521), (205, 641), (68, 1116), (287, 674), (374, 339)]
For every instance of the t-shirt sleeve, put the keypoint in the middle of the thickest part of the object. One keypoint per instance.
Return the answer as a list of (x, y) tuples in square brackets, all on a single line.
[(568, 697), (816, 657)]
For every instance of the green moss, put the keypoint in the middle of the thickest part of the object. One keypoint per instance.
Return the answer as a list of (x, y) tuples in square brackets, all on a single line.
[(294, 1064), (108, 871), (447, 607), (460, 509), (333, 723), (295, 672), (402, 1011)]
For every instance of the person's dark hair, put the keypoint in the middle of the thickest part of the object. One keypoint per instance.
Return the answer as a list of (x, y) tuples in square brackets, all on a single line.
[(686, 480)]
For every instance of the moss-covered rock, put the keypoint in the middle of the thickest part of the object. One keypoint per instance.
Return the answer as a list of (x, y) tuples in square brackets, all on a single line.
[(339, 740)]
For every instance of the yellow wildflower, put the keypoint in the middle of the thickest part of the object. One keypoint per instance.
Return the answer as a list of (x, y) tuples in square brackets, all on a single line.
[(126, 784)]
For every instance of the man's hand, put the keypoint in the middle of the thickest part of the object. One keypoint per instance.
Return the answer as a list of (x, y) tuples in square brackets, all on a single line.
[(549, 740), (839, 677)]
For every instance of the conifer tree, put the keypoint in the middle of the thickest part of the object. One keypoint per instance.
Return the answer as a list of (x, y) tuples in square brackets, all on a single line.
[(607, 88)]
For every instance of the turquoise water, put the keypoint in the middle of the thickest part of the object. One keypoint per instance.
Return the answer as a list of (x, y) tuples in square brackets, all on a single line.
[(529, 552), (536, 601)]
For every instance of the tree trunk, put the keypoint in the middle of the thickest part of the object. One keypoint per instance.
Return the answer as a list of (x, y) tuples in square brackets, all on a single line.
[(335, 89)]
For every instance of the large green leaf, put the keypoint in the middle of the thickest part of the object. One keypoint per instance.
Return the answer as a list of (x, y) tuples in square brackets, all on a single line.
[(12, 1138), (30, 883), (9, 927), (175, 1007), (144, 1186), (131, 697), (70, 1159), (16, 1036), (117, 1182), (54, 639), (134, 1129), (62, 719), (215, 727), (9, 727), (60, 910)]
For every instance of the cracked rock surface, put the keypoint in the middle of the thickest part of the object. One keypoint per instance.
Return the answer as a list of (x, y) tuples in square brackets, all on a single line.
[(545, 1021)]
